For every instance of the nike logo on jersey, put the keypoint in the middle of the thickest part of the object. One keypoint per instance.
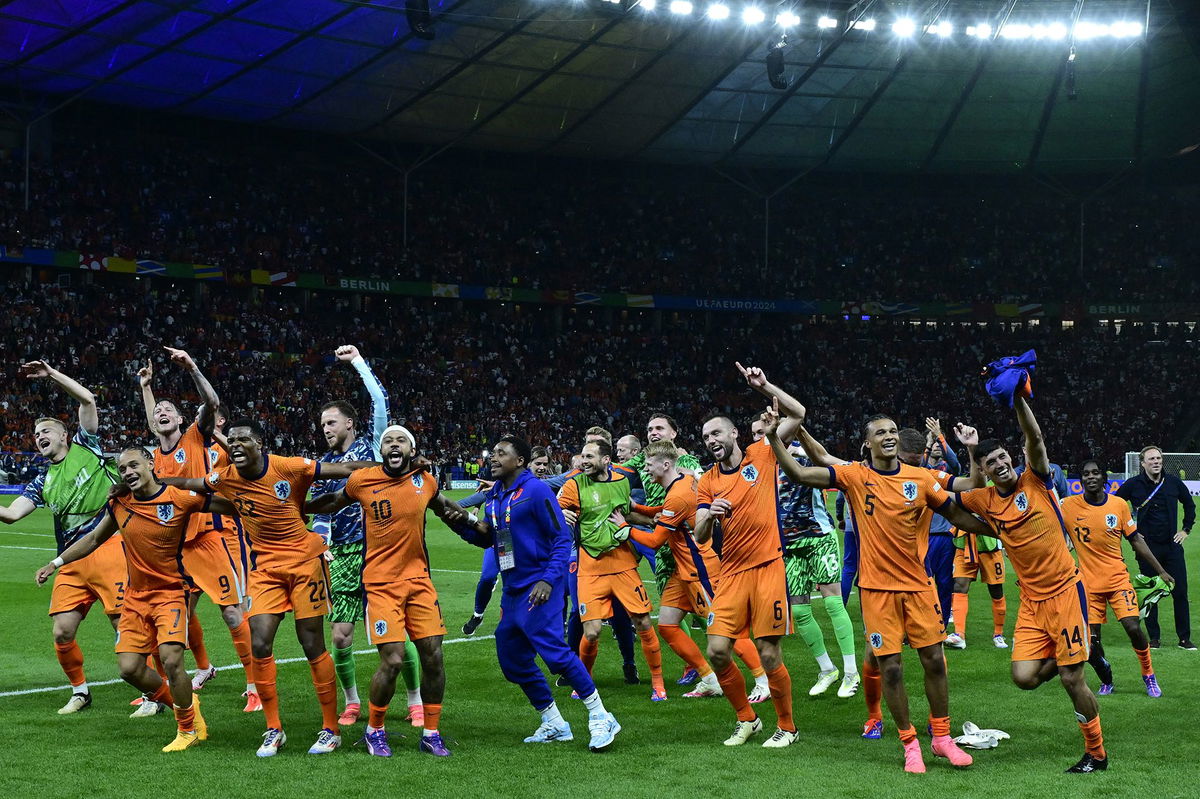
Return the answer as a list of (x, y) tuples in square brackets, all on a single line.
[(377, 490)]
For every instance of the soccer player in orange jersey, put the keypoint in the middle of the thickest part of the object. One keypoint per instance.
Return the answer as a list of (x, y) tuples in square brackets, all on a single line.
[(400, 597), (288, 567), (1098, 522), (739, 494), (1051, 635), (207, 557), (891, 503), (153, 519)]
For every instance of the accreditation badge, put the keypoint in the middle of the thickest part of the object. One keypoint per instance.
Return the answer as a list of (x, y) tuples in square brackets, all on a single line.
[(504, 549)]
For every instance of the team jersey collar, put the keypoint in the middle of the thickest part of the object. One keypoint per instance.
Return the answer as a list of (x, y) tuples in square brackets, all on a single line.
[(871, 466), (1099, 504), (162, 487), (735, 469), (263, 473), (678, 477)]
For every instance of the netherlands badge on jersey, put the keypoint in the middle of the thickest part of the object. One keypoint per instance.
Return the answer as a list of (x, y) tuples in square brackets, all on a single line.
[(381, 627), (180, 456), (418, 481), (166, 513), (1110, 521), (750, 473), (910, 490), (283, 489), (1022, 502)]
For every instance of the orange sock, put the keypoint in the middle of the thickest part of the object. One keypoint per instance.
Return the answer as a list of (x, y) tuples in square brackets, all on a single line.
[(196, 642), (377, 715), (745, 649), (70, 657), (908, 734), (959, 604), (682, 644), (940, 725), (734, 687), (324, 679), (185, 717), (162, 694), (1143, 656), (1093, 738), (264, 680), (652, 651), (588, 651), (241, 645), (999, 609), (781, 696), (433, 714), (873, 689)]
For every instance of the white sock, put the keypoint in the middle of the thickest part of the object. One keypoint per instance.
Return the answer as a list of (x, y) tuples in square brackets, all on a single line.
[(251, 688), (428, 733), (761, 681), (711, 680), (475, 615), (351, 695), (414, 697), (594, 705), (849, 664), (551, 715), (373, 729), (824, 662), (82, 688)]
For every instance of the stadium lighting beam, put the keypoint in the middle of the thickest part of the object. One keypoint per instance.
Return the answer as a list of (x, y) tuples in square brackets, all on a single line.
[(1056, 31), (980, 31), (904, 27), (681, 7), (752, 15), (826, 23), (1125, 30), (648, 5), (863, 24), (943, 29), (717, 11), (787, 19), (1016, 30)]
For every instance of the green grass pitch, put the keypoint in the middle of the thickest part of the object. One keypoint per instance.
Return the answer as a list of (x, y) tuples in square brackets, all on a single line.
[(665, 749)]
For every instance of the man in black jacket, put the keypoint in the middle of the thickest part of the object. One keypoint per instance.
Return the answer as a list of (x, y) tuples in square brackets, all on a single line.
[(1154, 495)]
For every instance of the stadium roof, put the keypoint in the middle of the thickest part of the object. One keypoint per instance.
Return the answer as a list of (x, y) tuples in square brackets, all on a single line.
[(596, 79)]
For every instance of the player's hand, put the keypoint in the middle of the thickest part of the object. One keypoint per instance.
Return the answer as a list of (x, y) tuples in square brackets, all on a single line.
[(571, 517), (146, 374), (539, 594), (182, 358), (1180, 537), (119, 490), (617, 517), (34, 370), (346, 352), (328, 555), (770, 418), (1168, 579), (44, 573), (966, 434), (754, 376), (934, 427), (720, 508), (486, 485)]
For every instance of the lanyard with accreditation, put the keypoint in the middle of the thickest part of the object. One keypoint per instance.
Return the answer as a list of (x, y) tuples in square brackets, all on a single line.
[(504, 539)]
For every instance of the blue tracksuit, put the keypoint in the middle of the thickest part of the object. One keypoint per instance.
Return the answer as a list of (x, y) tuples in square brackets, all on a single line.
[(541, 548), (939, 560)]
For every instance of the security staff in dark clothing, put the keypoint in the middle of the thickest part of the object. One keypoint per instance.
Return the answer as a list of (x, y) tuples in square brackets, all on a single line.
[(1154, 496)]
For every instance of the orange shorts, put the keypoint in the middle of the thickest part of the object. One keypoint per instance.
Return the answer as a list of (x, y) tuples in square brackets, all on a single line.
[(235, 544), (152, 618), (207, 560), (1122, 600), (100, 577), (403, 606), (686, 595), (597, 591), (303, 589), (989, 567), (1053, 628), (889, 617), (752, 602)]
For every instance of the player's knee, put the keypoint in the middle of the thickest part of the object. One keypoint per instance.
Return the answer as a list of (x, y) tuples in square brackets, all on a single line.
[(391, 662), (891, 670), (63, 636), (641, 622), (718, 657), (1026, 680), (232, 614), (343, 638), (961, 586), (591, 636), (260, 649), (130, 668)]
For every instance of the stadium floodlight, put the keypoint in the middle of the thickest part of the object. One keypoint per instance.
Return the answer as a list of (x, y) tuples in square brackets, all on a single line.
[(648, 5), (1016, 30), (1056, 31), (752, 15), (682, 7), (863, 24), (1125, 30), (787, 19), (717, 11), (943, 29), (1090, 30), (980, 31), (904, 27), (826, 22)]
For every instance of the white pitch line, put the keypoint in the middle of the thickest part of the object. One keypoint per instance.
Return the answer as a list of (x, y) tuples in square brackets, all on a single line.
[(284, 661), (31, 535), (35, 549)]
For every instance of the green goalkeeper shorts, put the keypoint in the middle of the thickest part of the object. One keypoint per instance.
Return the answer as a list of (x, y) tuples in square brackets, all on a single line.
[(345, 583), (809, 562)]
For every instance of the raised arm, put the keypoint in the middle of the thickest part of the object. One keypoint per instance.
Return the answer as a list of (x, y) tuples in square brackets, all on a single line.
[(965, 521), (208, 395), (326, 504), (89, 419), (198, 484), (336, 471), (815, 450), (814, 476), (380, 409), (145, 378), (1035, 446), (788, 407), (19, 509), (85, 546), (969, 437)]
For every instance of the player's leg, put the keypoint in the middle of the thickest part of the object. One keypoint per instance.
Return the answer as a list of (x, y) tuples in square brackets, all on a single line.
[(849, 562), (873, 697), (768, 613), (134, 670), (1087, 713), (939, 561), (780, 682), (678, 599), (488, 573), (937, 692), (595, 605), (999, 605), (310, 632), (204, 667), (380, 693), (1098, 661), (70, 658), (263, 628), (345, 610), (426, 629), (190, 724), (1125, 606), (411, 674), (843, 631), (960, 602), (631, 595)]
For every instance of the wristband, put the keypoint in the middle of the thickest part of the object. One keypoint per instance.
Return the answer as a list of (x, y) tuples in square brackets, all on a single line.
[(58, 562), (473, 519)]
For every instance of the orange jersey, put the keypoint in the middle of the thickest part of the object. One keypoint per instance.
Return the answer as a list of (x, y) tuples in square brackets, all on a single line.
[(190, 457), (1029, 522), (677, 519), (270, 507), (891, 512), (394, 522), (750, 533), (153, 533), (613, 561), (1097, 531)]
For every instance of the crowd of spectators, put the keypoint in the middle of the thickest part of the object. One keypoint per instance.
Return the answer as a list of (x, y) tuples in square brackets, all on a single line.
[(460, 374), (166, 193)]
